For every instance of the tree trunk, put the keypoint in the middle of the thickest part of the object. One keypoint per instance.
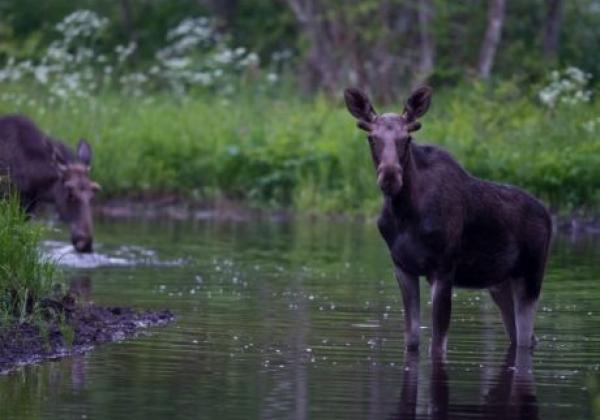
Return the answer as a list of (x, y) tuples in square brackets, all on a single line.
[(493, 33), (127, 18), (224, 9), (552, 24), (320, 65), (426, 42)]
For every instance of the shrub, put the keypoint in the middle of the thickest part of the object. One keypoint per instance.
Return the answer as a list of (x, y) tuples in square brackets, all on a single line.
[(25, 275)]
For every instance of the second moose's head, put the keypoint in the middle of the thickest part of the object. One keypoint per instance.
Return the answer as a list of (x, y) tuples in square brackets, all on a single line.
[(73, 193)]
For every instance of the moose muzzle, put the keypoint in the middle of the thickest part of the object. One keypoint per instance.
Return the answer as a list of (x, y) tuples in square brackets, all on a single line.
[(82, 243), (389, 178)]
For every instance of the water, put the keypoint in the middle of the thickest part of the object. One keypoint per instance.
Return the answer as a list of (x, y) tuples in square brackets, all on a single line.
[(304, 320)]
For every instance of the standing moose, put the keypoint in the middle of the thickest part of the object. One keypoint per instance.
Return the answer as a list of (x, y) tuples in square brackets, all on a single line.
[(42, 169), (456, 230)]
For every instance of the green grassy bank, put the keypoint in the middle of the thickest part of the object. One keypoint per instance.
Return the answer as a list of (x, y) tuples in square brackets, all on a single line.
[(25, 276), (308, 155)]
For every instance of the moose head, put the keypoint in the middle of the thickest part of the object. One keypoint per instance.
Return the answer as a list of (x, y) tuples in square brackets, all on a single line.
[(389, 134), (73, 194)]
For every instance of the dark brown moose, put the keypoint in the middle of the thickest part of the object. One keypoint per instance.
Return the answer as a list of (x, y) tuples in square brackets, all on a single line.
[(42, 169), (456, 230)]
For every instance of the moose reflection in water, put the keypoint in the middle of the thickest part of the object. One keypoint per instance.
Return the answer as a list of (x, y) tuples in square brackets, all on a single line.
[(80, 289), (44, 170), (511, 394), (440, 222)]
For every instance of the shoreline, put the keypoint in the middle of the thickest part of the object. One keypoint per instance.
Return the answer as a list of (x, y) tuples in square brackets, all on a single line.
[(85, 328), (176, 207)]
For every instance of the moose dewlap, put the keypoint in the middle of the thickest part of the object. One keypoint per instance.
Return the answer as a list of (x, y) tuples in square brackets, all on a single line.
[(454, 229)]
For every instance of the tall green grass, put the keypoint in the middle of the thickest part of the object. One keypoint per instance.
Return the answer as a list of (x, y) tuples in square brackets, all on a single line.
[(25, 276), (307, 153)]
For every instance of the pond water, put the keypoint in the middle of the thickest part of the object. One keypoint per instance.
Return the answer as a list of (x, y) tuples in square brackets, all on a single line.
[(282, 320)]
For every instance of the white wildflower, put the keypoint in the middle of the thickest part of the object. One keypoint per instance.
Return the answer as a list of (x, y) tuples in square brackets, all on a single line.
[(569, 87), (125, 51)]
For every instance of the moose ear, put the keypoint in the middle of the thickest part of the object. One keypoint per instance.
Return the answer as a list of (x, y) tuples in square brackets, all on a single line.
[(418, 103), (359, 105), (84, 152), (57, 158)]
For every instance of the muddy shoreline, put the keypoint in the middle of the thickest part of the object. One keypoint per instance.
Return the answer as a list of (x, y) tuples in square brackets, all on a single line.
[(180, 208), (84, 328)]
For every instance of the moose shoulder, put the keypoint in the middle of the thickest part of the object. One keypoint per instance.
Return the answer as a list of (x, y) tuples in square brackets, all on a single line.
[(454, 229), (42, 169)]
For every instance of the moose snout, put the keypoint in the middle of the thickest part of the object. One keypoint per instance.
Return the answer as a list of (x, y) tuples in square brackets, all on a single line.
[(389, 178), (82, 244)]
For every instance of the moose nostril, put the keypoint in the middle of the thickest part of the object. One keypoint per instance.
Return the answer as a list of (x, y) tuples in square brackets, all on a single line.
[(388, 170)]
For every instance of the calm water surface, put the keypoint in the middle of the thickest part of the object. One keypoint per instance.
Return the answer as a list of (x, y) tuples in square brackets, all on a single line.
[(303, 320)]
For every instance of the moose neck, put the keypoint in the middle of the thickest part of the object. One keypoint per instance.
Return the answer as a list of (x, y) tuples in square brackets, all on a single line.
[(405, 202)]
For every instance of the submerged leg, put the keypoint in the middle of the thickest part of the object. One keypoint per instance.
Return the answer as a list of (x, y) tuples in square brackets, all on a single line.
[(440, 395), (409, 286), (513, 394), (410, 384), (502, 296), (441, 296), (28, 205)]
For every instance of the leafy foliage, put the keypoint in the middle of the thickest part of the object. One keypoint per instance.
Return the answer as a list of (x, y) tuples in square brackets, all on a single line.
[(25, 275), (308, 154), (238, 126), (196, 56)]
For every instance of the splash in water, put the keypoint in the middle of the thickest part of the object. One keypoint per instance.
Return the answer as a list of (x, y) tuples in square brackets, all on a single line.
[(64, 254)]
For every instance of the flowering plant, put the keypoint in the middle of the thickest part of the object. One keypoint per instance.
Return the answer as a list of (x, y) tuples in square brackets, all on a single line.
[(196, 54), (568, 87)]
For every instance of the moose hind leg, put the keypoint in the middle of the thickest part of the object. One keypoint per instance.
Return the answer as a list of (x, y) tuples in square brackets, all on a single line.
[(409, 286), (502, 296), (441, 293), (525, 304)]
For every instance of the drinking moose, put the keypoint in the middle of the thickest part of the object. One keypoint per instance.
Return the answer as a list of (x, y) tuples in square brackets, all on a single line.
[(41, 169)]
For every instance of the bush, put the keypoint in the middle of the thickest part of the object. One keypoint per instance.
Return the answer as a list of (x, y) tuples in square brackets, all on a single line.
[(25, 275), (205, 119), (308, 154)]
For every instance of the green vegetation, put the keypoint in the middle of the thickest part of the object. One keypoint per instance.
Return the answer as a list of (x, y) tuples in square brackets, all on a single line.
[(25, 276), (308, 154), (206, 103)]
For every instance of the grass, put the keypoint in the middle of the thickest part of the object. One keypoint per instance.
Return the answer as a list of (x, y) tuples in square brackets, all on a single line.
[(307, 154), (25, 276)]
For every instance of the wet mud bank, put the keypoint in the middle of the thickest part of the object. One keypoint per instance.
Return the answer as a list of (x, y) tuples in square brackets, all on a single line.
[(84, 328)]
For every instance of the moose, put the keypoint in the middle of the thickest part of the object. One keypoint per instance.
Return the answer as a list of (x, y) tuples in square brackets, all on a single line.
[(456, 230), (41, 169)]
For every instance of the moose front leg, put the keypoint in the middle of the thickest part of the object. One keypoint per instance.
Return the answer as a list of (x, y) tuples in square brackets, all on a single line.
[(441, 296), (409, 286)]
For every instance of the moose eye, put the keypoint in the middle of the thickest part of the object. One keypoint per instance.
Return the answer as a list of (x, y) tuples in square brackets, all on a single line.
[(371, 140)]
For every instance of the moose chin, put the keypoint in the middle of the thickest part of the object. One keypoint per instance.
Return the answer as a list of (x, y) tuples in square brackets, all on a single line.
[(41, 169), (450, 227)]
